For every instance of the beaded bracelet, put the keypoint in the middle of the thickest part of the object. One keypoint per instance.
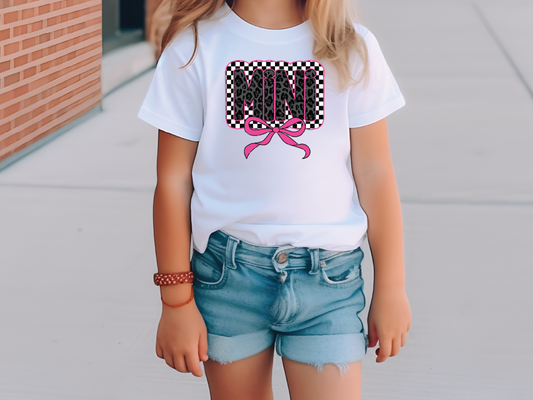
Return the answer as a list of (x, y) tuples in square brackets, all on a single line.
[(161, 279), (173, 279)]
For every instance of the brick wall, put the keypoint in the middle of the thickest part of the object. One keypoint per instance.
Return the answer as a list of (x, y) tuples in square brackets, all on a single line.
[(50, 55)]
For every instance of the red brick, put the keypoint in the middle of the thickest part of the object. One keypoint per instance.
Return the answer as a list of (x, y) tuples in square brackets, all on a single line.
[(58, 5), (4, 35), (45, 66), (5, 66), (6, 96), (48, 92), (51, 21), (59, 60), (12, 109), (5, 128), (21, 60), (10, 140), (22, 119), (46, 120), (44, 9), (29, 72), (45, 37), (11, 17), (39, 110), (11, 48), (29, 43), (64, 45), (45, 79), (30, 12), (89, 72), (11, 79), (58, 33), (20, 30), (21, 90), (28, 130), (31, 100), (36, 55), (59, 100), (50, 50), (75, 28), (92, 22), (19, 2), (89, 48), (67, 83), (37, 26)]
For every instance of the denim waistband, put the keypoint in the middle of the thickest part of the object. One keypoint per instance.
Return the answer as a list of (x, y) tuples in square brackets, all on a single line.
[(280, 258)]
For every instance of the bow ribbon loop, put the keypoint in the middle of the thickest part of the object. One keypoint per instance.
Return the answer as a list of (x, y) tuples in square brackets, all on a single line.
[(283, 132)]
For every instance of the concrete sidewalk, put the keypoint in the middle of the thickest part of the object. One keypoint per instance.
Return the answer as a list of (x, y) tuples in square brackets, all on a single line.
[(78, 308)]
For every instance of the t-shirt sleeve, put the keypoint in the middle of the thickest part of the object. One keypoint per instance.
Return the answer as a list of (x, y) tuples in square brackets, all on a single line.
[(381, 96), (173, 102)]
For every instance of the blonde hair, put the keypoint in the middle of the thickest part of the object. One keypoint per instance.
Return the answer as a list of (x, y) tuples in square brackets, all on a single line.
[(332, 22)]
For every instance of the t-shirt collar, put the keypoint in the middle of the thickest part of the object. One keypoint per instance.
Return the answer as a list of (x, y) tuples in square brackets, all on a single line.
[(256, 33)]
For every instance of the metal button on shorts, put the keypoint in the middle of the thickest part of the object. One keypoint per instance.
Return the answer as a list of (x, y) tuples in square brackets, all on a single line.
[(282, 258)]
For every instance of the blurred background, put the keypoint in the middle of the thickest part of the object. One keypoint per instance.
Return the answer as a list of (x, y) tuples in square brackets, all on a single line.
[(60, 57), (78, 309)]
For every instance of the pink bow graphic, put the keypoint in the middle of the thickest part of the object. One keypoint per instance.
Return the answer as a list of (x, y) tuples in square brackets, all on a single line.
[(283, 132)]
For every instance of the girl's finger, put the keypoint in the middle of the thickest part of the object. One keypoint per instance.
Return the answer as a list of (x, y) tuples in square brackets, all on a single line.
[(193, 364), (372, 335), (159, 350), (404, 338), (384, 350), (202, 347), (180, 365), (396, 346), (169, 360)]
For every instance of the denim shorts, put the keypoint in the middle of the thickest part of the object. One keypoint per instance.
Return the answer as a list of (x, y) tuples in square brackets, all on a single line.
[(305, 301)]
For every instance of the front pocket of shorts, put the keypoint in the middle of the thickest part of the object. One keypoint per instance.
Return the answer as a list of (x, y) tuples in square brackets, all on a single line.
[(209, 270), (342, 276)]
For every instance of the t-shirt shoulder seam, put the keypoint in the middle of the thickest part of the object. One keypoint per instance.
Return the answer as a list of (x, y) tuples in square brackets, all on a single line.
[(360, 27)]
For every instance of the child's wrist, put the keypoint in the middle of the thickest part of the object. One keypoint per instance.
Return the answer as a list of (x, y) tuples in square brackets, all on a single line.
[(176, 294), (388, 287)]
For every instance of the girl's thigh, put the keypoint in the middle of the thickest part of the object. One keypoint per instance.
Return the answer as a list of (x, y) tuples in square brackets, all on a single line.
[(307, 383), (249, 378)]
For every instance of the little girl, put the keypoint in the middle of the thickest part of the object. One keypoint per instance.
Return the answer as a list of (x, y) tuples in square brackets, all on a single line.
[(274, 161)]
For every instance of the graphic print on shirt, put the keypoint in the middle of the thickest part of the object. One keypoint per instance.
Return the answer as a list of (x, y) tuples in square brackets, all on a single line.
[(275, 97)]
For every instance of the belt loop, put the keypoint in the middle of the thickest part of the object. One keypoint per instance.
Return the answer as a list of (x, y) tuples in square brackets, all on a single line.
[(231, 248), (315, 261)]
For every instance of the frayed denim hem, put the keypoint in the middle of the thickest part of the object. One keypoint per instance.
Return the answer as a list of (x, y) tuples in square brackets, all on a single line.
[(339, 350), (343, 367)]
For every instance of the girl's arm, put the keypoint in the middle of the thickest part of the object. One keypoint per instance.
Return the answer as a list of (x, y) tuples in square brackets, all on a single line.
[(181, 335), (389, 317)]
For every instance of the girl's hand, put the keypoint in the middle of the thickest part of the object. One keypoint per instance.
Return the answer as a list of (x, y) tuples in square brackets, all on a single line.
[(389, 321), (182, 338)]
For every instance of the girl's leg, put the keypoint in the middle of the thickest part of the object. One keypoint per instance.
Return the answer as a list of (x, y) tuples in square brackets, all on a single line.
[(306, 383), (250, 378)]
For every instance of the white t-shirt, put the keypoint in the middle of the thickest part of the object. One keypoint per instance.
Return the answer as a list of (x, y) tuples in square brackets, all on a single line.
[(273, 159)]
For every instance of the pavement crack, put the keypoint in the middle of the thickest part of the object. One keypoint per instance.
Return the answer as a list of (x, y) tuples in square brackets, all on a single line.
[(502, 48)]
